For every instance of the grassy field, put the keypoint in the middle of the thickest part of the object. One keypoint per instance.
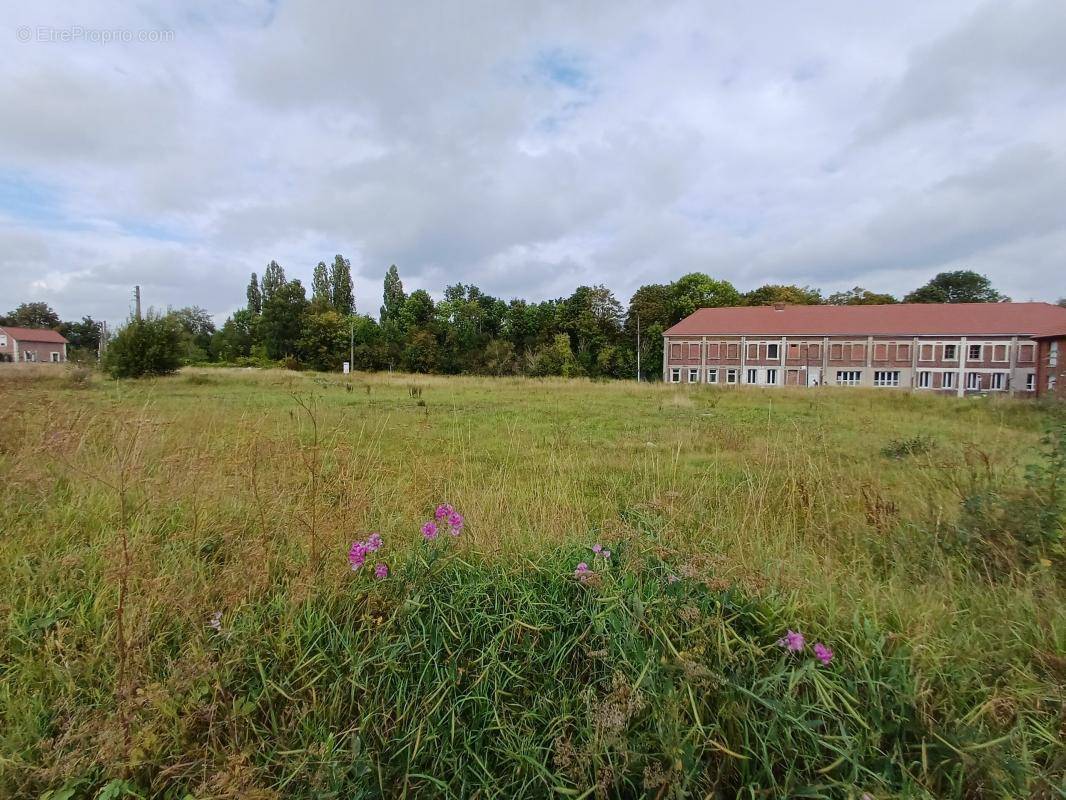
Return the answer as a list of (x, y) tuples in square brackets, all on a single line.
[(897, 529)]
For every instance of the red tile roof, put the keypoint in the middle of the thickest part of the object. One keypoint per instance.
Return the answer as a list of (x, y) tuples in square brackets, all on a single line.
[(33, 335), (902, 319)]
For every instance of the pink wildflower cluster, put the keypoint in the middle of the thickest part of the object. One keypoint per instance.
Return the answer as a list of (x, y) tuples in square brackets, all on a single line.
[(445, 517), (583, 572), (360, 551), (796, 642)]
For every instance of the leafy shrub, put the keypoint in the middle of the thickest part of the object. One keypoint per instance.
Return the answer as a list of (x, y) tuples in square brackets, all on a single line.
[(79, 377), (1002, 527), (149, 346), (914, 446)]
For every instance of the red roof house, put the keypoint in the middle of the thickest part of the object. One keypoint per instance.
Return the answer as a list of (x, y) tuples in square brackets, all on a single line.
[(32, 345)]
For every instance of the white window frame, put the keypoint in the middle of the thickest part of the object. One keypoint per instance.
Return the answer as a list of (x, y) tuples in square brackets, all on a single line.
[(752, 376), (1030, 382), (712, 375), (947, 380), (849, 377), (980, 352), (1006, 353), (932, 351), (1053, 355), (886, 377), (771, 377), (777, 351), (925, 379), (675, 374), (1051, 383), (1026, 352), (971, 379), (955, 354), (997, 382), (693, 374), (732, 376), (3, 340), (900, 346), (55, 357)]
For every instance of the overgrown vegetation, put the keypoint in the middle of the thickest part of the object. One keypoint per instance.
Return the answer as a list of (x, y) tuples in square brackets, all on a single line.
[(180, 618), (148, 346)]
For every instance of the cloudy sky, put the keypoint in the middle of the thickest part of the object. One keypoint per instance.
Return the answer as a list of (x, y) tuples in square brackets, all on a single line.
[(528, 147)]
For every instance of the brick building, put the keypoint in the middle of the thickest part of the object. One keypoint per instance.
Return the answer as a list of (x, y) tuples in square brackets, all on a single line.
[(958, 348), (30, 345)]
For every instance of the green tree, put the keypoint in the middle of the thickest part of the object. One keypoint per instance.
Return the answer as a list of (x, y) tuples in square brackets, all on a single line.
[(255, 296), (283, 317), (84, 338), (697, 290), (149, 346), (341, 286), (592, 317), (32, 315), (324, 341), (197, 330), (273, 279), (420, 354), (792, 295), (556, 358), (417, 310), (393, 296), (859, 297), (321, 290), (236, 337), (960, 286), (499, 358)]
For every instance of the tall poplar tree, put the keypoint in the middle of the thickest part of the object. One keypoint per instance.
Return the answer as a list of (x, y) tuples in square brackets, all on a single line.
[(343, 291), (394, 296), (273, 279), (255, 297), (321, 292)]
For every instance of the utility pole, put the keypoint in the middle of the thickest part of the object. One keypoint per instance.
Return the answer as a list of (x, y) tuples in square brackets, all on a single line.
[(351, 345), (137, 300), (638, 348)]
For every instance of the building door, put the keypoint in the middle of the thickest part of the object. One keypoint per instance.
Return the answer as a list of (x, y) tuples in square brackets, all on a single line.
[(792, 377)]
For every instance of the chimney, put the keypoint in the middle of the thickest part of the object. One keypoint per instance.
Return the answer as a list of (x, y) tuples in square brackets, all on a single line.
[(779, 306)]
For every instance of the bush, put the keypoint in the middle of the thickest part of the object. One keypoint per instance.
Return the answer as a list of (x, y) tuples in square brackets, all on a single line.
[(914, 446), (150, 346)]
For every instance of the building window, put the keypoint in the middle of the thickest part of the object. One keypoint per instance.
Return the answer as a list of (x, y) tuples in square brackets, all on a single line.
[(712, 376), (925, 352), (55, 358), (693, 350), (1051, 383), (675, 375), (694, 375), (836, 352), (848, 377), (973, 380), (947, 380), (903, 352), (773, 351), (1025, 353), (997, 381), (999, 352), (886, 378), (731, 375), (1030, 382), (753, 375), (858, 352), (925, 379), (771, 377), (3, 340), (714, 350), (880, 352), (814, 351), (732, 350), (793, 350), (950, 352), (675, 352), (1053, 355), (973, 352), (753, 352)]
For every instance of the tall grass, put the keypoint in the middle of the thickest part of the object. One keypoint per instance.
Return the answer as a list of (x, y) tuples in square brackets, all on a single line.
[(490, 671)]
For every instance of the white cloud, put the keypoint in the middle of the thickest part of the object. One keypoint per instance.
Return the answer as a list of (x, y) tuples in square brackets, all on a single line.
[(532, 147)]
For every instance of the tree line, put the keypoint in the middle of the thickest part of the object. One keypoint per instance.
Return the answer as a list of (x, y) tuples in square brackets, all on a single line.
[(589, 333)]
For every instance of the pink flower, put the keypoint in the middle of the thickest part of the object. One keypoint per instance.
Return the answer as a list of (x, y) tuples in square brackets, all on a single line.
[(606, 554), (597, 548), (443, 510), (823, 653), (672, 579), (455, 520), (381, 571), (429, 530), (373, 543), (357, 554), (582, 570), (793, 640)]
